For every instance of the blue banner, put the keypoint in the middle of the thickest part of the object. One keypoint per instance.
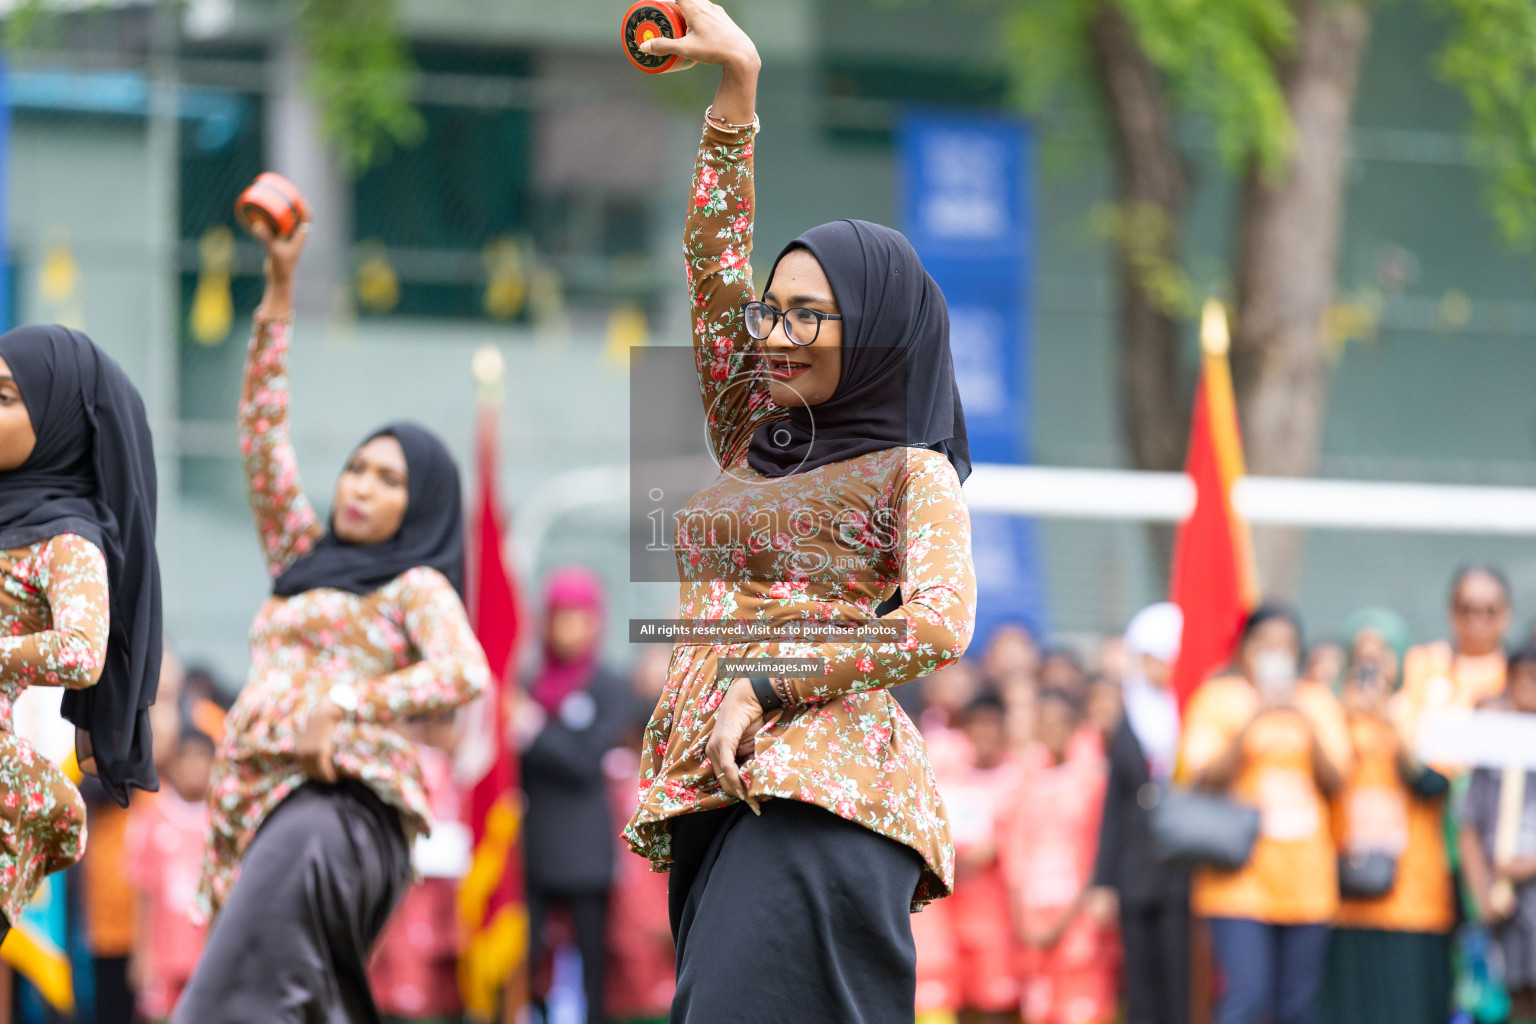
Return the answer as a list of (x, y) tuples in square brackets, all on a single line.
[(966, 189)]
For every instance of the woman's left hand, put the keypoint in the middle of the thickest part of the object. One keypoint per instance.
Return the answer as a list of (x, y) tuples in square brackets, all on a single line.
[(738, 718), (315, 746)]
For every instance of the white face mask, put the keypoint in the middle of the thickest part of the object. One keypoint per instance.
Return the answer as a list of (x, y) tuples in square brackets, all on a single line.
[(1274, 673)]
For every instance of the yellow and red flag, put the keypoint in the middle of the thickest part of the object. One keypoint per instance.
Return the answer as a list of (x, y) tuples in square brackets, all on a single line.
[(1214, 582), (493, 911)]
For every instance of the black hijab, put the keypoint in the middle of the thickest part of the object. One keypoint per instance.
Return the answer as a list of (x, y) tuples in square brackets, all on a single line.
[(431, 534), (92, 473), (897, 387)]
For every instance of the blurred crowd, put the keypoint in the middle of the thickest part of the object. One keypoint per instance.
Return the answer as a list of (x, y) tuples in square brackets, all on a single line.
[(1050, 760)]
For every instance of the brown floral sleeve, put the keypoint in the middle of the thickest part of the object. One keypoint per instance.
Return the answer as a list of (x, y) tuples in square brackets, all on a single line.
[(72, 573), (938, 587), (285, 521), (451, 670), (717, 244)]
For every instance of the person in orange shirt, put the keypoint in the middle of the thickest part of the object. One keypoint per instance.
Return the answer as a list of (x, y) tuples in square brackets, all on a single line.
[(1071, 964), (1468, 670), (1389, 960), (1266, 738)]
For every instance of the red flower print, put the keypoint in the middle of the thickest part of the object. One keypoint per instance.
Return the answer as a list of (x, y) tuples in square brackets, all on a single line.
[(739, 225), (700, 199), (864, 665), (709, 177), (720, 369)]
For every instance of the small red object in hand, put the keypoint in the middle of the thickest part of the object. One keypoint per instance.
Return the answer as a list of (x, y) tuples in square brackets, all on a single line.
[(274, 199), (649, 19)]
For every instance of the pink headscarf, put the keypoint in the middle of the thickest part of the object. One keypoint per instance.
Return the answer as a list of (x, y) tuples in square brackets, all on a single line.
[(570, 586)]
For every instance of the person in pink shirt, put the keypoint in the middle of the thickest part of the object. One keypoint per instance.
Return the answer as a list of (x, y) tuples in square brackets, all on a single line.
[(1071, 960), (164, 854), (967, 951)]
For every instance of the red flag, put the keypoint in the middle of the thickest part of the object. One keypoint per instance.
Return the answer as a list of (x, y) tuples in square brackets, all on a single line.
[(492, 905), (1213, 577)]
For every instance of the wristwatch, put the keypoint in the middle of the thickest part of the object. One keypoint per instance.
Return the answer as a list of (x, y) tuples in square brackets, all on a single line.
[(345, 697), (767, 696)]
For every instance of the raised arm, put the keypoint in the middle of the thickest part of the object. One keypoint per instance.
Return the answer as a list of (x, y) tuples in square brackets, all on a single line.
[(285, 521), (717, 241), (72, 572)]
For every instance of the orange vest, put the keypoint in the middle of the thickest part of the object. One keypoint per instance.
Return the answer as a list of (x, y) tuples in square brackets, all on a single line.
[(1291, 878), (1377, 811)]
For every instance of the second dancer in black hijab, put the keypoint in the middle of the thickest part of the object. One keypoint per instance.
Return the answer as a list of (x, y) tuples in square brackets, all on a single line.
[(315, 797), (80, 605)]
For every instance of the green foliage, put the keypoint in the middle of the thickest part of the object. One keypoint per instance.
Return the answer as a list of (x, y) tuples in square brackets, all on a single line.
[(1218, 57), (361, 78), (1048, 43), (24, 22), (1143, 232), (1491, 58)]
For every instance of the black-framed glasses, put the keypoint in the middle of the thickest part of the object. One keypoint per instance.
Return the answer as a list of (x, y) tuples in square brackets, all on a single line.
[(801, 325)]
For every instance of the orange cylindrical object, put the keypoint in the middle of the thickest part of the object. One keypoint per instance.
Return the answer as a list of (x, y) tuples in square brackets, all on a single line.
[(274, 199), (648, 19)]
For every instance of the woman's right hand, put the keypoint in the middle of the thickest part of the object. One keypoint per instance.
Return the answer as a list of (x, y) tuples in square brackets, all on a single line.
[(281, 260), (713, 38)]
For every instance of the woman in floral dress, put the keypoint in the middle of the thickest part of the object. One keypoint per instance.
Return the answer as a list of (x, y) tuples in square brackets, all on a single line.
[(315, 797), (798, 815), (79, 590)]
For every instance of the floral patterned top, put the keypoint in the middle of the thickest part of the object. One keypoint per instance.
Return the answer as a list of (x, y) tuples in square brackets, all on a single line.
[(53, 632), (831, 543), (407, 648)]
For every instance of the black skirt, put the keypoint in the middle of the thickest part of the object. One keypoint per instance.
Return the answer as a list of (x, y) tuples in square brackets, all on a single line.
[(315, 888), (796, 916)]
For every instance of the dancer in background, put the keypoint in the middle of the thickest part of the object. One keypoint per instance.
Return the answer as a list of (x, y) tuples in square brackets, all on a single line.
[(1389, 958), (80, 607), (316, 798), (575, 713), (1153, 899), (1270, 739), (799, 816)]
